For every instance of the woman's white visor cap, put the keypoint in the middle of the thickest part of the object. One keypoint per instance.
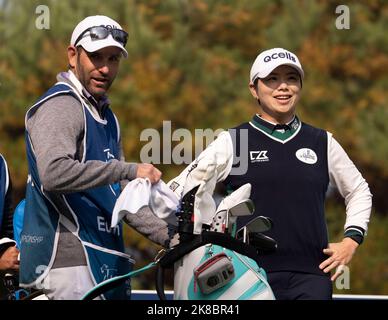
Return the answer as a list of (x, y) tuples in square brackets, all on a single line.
[(269, 60)]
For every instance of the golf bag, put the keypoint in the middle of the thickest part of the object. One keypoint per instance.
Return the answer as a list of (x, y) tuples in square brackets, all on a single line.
[(220, 262)]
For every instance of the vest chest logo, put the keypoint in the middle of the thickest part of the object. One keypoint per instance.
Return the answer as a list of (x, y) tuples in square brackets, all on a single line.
[(306, 155), (258, 156), (108, 155)]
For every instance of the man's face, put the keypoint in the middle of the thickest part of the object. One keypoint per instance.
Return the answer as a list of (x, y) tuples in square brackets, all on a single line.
[(279, 93), (95, 70)]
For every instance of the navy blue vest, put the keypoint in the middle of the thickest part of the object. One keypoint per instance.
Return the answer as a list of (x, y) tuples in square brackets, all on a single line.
[(4, 181), (289, 182), (91, 209)]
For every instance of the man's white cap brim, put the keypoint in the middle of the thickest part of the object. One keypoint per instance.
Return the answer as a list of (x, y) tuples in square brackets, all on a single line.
[(92, 46)]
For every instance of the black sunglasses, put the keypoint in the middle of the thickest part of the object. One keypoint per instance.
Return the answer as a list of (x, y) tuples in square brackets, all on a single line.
[(102, 32)]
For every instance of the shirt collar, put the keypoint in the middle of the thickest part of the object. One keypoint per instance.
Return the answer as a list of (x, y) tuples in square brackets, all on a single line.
[(271, 127)]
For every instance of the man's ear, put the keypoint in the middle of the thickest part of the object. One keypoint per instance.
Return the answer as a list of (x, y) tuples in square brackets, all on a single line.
[(72, 56)]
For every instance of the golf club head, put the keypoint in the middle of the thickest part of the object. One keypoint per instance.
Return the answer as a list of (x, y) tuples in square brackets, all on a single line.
[(262, 243), (258, 224), (243, 208)]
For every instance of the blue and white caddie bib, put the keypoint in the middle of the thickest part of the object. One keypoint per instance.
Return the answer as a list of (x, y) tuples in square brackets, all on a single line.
[(91, 209)]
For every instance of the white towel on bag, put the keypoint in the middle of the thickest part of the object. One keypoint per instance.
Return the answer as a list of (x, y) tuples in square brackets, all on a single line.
[(140, 193)]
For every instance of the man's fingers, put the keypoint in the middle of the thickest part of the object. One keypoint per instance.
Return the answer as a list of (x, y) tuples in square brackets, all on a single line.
[(158, 174), (146, 170)]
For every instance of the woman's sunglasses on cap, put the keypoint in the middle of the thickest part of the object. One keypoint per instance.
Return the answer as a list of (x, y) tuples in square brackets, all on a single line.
[(102, 32)]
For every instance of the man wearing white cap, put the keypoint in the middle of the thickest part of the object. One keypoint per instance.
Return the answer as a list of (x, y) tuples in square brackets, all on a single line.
[(76, 166), (290, 165)]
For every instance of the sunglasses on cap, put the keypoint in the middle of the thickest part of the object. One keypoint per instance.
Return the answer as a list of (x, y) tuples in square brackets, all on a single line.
[(102, 32)]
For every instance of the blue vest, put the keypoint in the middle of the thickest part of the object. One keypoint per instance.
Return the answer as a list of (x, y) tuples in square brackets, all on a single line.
[(91, 209), (4, 182)]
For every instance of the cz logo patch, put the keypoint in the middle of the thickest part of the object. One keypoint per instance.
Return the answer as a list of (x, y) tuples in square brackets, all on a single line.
[(258, 156)]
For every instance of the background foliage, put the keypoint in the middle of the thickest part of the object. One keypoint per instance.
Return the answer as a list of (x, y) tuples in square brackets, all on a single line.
[(189, 63)]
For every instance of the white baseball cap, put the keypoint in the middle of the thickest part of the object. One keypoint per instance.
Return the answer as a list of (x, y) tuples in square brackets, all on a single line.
[(270, 59), (92, 45)]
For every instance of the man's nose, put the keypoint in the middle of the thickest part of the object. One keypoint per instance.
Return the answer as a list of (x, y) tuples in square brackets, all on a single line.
[(104, 68)]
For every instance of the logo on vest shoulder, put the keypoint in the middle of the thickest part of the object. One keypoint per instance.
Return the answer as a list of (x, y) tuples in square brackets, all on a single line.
[(306, 155), (258, 156)]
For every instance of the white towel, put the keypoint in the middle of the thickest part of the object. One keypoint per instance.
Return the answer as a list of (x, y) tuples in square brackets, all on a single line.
[(164, 202), (141, 193)]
